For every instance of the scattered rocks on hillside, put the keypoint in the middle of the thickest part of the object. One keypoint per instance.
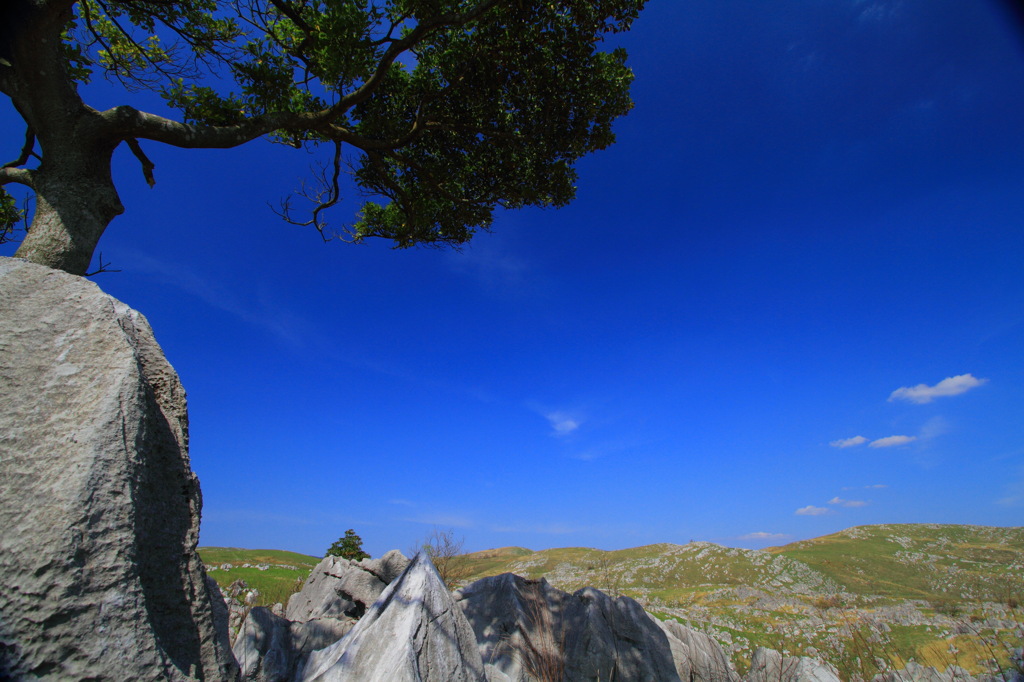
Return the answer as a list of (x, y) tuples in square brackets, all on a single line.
[(415, 631), (768, 665), (99, 577)]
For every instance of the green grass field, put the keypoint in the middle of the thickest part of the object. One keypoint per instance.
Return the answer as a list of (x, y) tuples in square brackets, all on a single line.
[(284, 574)]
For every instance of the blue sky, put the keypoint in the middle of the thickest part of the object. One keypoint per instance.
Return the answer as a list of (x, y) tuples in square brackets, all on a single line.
[(809, 234)]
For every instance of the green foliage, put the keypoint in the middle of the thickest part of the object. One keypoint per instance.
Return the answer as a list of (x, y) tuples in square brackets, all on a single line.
[(456, 107), (350, 546), (10, 216)]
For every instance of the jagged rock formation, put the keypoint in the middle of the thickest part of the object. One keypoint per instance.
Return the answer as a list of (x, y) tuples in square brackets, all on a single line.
[(768, 665), (527, 629), (698, 657), (343, 588), (99, 577), (271, 648), (414, 632)]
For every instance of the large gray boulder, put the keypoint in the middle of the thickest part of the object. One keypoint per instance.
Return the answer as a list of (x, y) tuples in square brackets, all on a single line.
[(526, 630), (414, 633), (339, 588), (698, 657), (99, 508), (768, 665), (270, 648)]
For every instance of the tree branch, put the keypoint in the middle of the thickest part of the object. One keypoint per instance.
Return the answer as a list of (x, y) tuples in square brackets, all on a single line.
[(22, 176), (26, 150), (128, 122), (324, 198), (147, 165)]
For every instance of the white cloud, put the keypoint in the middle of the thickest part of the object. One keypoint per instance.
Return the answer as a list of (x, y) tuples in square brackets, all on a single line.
[(848, 442), (761, 535), (891, 441), (811, 510), (847, 503), (923, 393), (562, 423), (876, 486)]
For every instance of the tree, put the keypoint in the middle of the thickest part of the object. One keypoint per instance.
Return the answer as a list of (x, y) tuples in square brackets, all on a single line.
[(445, 552), (348, 547), (442, 110)]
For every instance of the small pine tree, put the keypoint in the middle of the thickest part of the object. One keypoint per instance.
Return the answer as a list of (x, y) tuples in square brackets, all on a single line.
[(349, 547)]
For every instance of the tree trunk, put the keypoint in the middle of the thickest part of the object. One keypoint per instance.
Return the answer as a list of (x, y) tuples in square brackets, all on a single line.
[(72, 211)]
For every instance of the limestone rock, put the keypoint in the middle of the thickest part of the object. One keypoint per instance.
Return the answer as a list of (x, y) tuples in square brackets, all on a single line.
[(99, 507), (414, 632), (340, 588), (270, 648), (527, 629), (768, 665), (705, 660)]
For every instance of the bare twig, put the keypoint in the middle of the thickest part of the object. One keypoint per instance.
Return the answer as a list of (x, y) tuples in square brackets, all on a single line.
[(26, 150), (147, 165), (103, 267)]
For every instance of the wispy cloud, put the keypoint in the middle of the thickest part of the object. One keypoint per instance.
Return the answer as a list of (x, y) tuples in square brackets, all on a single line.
[(848, 442), (923, 393), (562, 423), (891, 441), (1013, 491), (933, 428), (762, 535), (875, 486), (255, 309), (811, 510), (847, 503)]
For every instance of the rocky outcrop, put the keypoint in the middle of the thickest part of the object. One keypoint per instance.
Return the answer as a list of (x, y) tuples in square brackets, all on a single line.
[(99, 507), (339, 587), (271, 648), (768, 665), (698, 657), (415, 631), (526, 629)]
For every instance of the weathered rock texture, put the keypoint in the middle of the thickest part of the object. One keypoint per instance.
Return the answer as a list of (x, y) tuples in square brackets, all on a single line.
[(698, 657), (340, 587), (99, 509), (528, 630), (414, 632), (271, 648), (768, 665)]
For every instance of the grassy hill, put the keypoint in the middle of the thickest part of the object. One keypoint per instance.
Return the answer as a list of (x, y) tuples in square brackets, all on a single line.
[(940, 594), (275, 573)]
